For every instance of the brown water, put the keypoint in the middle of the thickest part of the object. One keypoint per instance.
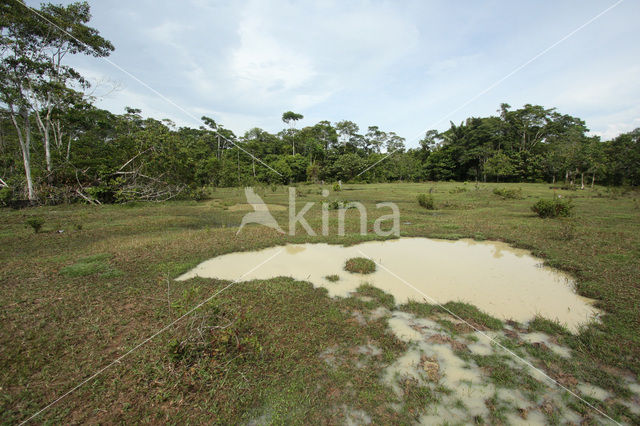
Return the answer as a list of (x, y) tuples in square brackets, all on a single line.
[(505, 282)]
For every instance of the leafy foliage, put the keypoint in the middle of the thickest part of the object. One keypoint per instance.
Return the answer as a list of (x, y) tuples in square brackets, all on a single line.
[(553, 208), (426, 201), (515, 194), (115, 158), (35, 222)]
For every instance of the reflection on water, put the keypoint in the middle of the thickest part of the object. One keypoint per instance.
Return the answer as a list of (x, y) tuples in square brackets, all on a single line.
[(505, 282)]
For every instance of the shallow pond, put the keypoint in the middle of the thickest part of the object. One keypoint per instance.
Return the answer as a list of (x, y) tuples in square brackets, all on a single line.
[(503, 281)]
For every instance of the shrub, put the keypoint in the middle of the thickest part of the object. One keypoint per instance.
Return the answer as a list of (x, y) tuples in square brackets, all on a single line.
[(6, 196), (333, 278), (458, 189), (196, 193), (360, 265), (337, 187), (36, 223), (505, 193), (553, 208), (426, 201)]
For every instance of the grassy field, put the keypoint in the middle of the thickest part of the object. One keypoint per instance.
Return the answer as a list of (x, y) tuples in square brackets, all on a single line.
[(72, 302)]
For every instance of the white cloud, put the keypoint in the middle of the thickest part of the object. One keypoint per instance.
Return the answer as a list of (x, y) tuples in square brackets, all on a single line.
[(264, 67)]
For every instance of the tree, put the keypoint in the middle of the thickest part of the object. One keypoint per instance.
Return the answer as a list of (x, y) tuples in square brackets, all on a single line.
[(348, 136), (499, 165), (290, 118), (34, 80)]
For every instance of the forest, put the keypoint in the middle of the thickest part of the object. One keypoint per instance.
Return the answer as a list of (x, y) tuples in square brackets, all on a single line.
[(57, 146)]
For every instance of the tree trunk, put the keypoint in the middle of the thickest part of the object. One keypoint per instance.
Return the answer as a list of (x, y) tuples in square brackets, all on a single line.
[(554, 179), (25, 143), (582, 180), (45, 128), (68, 148), (593, 179)]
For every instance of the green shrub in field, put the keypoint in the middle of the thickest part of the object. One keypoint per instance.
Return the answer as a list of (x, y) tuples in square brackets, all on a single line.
[(337, 187), (36, 223), (426, 201), (505, 193), (553, 208), (6, 195), (360, 265), (458, 190)]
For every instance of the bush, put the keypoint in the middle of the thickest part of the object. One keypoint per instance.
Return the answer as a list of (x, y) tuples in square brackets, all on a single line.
[(553, 208), (505, 193), (426, 201), (337, 187), (6, 196), (360, 265), (36, 223), (458, 190)]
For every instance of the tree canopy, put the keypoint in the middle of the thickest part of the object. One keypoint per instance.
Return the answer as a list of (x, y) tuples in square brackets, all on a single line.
[(56, 146)]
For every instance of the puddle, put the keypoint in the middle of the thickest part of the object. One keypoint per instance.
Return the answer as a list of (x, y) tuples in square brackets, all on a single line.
[(505, 282), (433, 359)]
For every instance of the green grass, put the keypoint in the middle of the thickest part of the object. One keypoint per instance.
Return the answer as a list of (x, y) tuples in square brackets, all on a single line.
[(548, 326), (71, 303), (333, 278), (92, 265), (360, 265), (460, 310)]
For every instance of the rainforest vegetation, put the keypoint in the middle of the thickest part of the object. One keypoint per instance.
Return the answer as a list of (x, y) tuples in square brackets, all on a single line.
[(57, 146)]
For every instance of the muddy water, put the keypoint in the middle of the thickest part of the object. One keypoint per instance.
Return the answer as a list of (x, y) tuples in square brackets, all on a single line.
[(505, 282)]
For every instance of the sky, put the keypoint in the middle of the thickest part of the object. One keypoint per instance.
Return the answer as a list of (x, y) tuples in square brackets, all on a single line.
[(405, 66)]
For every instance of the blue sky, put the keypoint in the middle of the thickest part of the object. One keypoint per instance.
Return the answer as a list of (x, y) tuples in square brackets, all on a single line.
[(401, 65)]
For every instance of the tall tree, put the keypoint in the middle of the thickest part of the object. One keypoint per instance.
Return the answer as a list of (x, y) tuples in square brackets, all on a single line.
[(33, 79), (290, 118)]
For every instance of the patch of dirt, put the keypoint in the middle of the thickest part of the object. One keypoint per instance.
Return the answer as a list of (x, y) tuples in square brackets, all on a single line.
[(441, 339), (431, 367)]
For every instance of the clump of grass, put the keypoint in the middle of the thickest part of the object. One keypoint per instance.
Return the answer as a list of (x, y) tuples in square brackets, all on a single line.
[(337, 187), (463, 310), (360, 265), (505, 193), (35, 222), (380, 298), (339, 205), (458, 190), (333, 278), (567, 230), (548, 326), (469, 312), (553, 208), (96, 264), (418, 309), (426, 201)]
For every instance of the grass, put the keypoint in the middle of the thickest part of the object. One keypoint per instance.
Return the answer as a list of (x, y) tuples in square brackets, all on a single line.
[(92, 265), (360, 265), (65, 315), (462, 310), (332, 278)]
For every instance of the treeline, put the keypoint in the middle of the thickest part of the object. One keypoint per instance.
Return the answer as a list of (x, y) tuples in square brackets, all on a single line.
[(56, 146)]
